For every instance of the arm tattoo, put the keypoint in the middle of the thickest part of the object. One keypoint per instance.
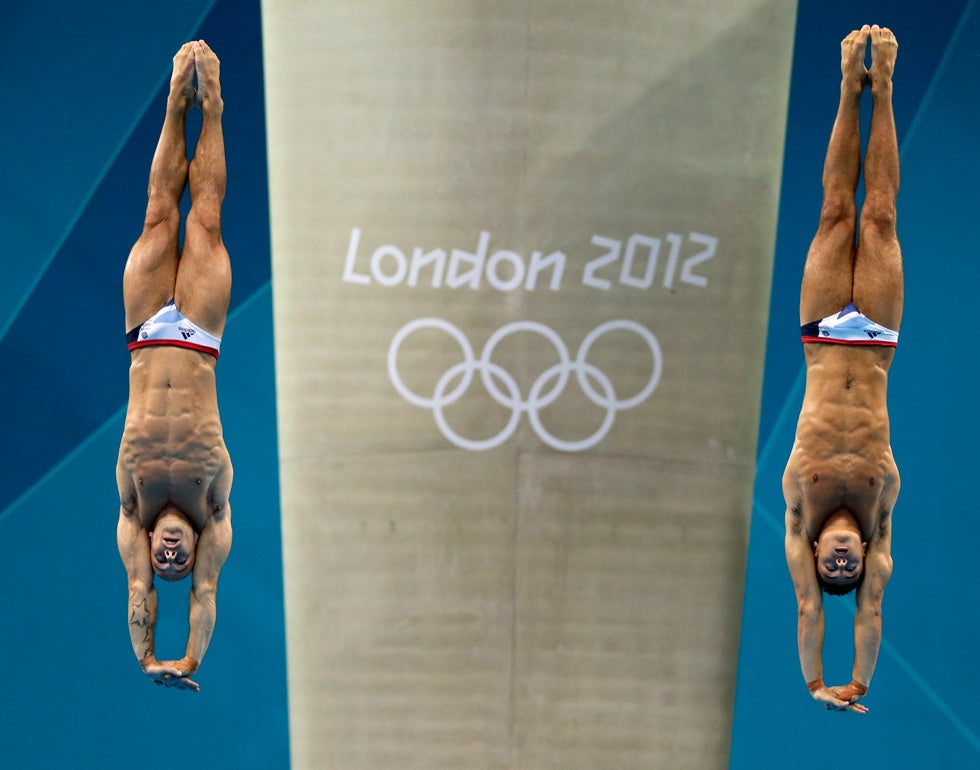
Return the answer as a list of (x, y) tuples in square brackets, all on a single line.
[(140, 615)]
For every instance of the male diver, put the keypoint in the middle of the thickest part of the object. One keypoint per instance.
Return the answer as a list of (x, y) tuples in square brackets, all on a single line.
[(841, 481), (174, 472)]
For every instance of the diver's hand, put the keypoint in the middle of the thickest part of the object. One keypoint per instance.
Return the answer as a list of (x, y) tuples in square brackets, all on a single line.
[(833, 702), (830, 698), (171, 673), (851, 693)]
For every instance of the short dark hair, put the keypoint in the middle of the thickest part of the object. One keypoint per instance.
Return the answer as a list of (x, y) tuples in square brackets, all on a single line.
[(839, 589)]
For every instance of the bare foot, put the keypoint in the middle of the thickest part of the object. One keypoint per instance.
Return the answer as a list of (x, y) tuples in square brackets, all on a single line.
[(884, 51), (182, 81), (853, 49), (208, 78)]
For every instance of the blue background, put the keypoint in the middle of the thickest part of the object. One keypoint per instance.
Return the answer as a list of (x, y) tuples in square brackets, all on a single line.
[(923, 705), (85, 88)]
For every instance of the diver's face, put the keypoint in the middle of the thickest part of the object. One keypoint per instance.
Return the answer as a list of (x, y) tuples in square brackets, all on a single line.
[(840, 556), (173, 544)]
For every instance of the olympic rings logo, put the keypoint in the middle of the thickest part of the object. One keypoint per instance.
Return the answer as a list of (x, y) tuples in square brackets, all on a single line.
[(545, 390)]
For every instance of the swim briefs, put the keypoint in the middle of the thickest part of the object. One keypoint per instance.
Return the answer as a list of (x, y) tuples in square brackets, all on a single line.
[(168, 326), (849, 327)]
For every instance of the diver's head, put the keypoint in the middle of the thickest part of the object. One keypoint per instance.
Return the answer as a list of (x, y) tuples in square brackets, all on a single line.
[(173, 544), (839, 559)]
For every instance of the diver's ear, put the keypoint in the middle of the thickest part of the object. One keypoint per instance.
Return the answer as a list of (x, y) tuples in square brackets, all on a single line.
[(816, 545), (864, 547)]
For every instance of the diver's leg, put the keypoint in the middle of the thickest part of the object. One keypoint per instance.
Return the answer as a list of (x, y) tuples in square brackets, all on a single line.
[(878, 282), (151, 270), (204, 278), (828, 273)]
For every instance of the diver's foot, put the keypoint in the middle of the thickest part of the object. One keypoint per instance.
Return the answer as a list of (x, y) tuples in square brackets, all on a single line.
[(884, 51), (853, 49), (182, 81), (208, 79)]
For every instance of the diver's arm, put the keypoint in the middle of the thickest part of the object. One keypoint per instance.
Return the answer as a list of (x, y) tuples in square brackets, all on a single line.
[(809, 600), (213, 547), (867, 617), (134, 550), (809, 612)]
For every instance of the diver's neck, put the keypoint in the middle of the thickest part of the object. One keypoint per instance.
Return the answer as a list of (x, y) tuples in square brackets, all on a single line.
[(842, 519)]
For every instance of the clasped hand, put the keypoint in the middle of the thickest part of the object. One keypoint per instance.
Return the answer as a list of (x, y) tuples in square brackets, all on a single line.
[(172, 673), (841, 698)]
